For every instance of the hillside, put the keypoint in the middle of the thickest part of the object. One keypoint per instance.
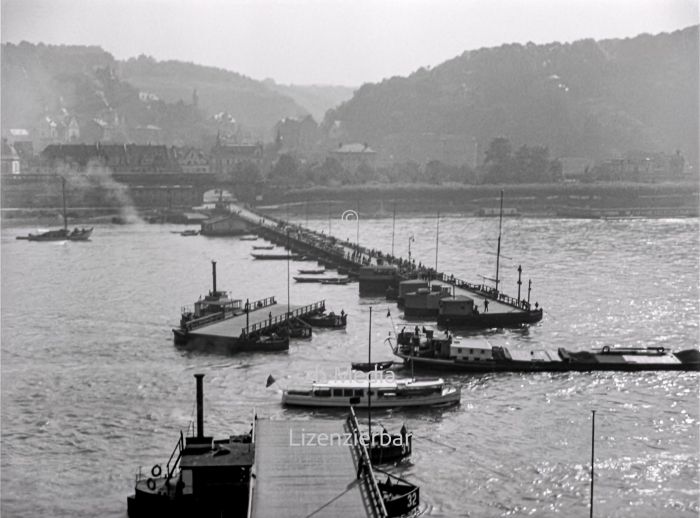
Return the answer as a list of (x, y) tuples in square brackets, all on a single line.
[(317, 99), (587, 98), (116, 100), (251, 103)]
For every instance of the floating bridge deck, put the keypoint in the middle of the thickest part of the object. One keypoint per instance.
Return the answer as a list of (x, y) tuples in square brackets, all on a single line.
[(295, 476), (336, 253), (259, 321)]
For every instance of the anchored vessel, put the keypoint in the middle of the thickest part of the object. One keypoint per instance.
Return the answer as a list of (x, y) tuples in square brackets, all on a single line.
[(427, 351), (63, 234), (385, 393), (330, 320), (203, 477), (219, 322)]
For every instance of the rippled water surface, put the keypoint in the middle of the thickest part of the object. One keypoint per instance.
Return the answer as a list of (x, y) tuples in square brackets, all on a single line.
[(92, 386)]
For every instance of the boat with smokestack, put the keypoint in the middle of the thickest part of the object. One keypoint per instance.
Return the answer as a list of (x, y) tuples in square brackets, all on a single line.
[(203, 476), (261, 473), (430, 352), (218, 306)]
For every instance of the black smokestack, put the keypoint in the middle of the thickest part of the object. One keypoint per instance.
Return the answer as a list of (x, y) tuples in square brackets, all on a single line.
[(200, 405), (213, 274)]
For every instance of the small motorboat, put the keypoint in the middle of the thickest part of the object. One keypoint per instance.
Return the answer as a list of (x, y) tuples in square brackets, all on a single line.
[(189, 232), (330, 320), (374, 366), (264, 343), (277, 257), (249, 238), (401, 498), (336, 280), (313, 271), (263, 247)]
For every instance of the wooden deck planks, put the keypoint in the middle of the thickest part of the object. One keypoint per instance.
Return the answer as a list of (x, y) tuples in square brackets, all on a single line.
[(304, 481), (234, 326)]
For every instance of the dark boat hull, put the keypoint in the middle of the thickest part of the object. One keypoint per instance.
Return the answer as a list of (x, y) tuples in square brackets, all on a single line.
[(227, 345), (487, 320), (369, 367), (593, 362)]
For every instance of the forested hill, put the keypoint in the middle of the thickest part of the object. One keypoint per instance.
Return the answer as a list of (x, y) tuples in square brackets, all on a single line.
[(250, 102), (587, 98), (87, 83)]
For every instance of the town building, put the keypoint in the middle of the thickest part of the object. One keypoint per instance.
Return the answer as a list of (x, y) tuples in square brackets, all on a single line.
[(224, 158), (192, 160), (9, 158), (123, 158), (352, 156), (296, 136), (640, 166)]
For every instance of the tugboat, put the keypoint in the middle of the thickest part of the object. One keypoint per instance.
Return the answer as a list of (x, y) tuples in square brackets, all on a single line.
[(203, 477), (432, 353)]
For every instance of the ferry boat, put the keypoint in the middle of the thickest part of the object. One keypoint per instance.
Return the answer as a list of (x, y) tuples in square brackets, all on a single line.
[(203, 477), (385, 393), (433, 353)]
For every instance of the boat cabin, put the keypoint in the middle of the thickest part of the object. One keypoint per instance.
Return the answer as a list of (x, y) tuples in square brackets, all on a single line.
[(378, 272), (458, 306), (464, 352), (411, 286), (216, 302), (425, 301)]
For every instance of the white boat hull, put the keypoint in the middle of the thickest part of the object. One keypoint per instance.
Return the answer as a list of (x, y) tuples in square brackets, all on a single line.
[(449, 396)]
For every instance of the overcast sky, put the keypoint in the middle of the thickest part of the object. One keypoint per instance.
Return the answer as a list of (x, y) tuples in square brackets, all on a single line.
[(345, 42)]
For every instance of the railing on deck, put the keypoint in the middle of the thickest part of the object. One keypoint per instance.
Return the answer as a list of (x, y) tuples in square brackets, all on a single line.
[(179, 447), (365, 466), (316, 307), (320, 244), (223, 315)]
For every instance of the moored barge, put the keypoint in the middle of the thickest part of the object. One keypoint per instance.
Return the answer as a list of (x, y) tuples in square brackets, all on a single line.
[(433, 353)]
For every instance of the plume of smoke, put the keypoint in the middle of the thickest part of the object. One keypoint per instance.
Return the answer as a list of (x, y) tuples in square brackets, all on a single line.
[(97, 179)]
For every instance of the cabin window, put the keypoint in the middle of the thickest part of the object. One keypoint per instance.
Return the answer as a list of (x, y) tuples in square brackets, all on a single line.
[(347, 392), (322, 392), (359, 393), (337, 392)]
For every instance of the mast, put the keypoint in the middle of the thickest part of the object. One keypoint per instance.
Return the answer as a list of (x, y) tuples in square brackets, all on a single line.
[(288, 302), (358, 226), (393, 230), (592, 456), (369, 382), (63, 191), (437, 240), (498, 251)]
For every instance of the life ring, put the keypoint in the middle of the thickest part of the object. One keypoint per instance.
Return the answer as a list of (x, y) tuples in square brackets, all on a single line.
[(606, 349), (156, 470), (151, 484), (660, 349)]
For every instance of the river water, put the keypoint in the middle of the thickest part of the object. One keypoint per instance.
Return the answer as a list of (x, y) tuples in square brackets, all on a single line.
[(93, 387)]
